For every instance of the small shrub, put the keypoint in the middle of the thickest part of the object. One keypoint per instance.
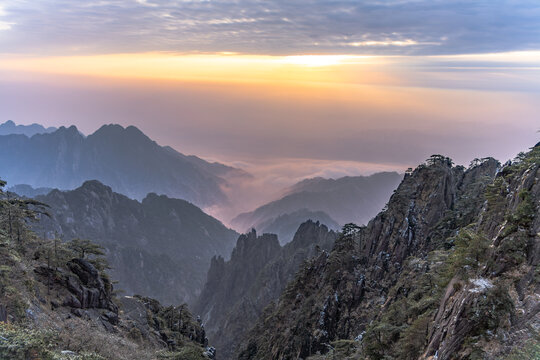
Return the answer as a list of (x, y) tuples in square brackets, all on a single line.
[(22, 343)]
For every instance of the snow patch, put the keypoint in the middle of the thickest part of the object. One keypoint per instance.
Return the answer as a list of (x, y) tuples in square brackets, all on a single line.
[(480, 285)]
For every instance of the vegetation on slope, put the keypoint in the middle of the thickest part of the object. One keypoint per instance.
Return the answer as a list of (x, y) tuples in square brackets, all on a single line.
[(449, 271), (56, 302)]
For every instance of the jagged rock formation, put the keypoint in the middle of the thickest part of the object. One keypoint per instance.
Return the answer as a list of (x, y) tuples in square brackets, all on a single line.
[(87, 289), (447, 271), (286, 225), (160, 247), (80, 287), (172, 325), (123, 158), (495, 304), (349, 199), (237, 291)]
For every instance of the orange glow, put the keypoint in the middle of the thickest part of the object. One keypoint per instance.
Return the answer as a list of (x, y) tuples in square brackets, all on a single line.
[(222, 67), (299, 70)]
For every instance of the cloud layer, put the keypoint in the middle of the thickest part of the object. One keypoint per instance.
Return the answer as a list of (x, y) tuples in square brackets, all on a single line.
[(269, 26)]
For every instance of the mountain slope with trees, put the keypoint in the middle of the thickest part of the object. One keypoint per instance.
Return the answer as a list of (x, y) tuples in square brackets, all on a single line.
[(448, 271), (57, 302)]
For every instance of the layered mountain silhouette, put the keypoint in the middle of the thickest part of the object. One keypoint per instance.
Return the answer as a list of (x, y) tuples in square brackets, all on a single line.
[(159, 246), (123, 158), (9, 128), (28, 191), (333, 202)]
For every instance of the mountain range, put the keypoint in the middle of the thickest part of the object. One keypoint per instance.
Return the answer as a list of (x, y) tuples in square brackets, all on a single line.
[(334, 202), (447, 270), (123, 158), (9, 127)]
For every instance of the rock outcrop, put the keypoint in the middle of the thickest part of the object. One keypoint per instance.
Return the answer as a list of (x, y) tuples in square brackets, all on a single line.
[(495, 305), (82, 289), (173, 326)]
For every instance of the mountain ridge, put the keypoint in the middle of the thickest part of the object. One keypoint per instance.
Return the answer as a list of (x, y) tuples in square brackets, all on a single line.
[(123, 158), (338, 201), (9, 128)]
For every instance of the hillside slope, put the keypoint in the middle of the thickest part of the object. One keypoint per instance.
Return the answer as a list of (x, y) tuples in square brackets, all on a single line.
[(57, 303), (447, 271)]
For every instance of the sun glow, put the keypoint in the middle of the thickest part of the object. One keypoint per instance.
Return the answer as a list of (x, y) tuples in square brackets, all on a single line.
[(219, 67)]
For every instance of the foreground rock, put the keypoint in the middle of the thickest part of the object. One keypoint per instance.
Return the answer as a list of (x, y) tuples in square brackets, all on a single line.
[(445, 272)]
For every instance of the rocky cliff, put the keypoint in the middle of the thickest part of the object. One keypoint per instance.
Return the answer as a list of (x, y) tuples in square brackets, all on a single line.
[(446, 271), (238, 290), (159, 247)]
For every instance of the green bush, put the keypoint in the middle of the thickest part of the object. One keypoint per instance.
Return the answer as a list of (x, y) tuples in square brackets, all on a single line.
[(21, 343)]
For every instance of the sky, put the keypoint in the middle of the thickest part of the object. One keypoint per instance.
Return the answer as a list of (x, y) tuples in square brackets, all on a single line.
[(283, 89)]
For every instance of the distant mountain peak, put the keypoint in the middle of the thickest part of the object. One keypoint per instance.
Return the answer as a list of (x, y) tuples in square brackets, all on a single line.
[(10, 128), (72, 130), (122, 157), (95, 185), (334, 202)]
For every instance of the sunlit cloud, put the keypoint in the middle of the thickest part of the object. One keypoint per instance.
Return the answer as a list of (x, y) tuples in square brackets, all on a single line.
[(220, 67), (322, 60), (407, 42), (272, 27), (146, 3), (6, 25)]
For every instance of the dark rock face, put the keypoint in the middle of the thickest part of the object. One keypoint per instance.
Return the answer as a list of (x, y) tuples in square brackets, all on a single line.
[(338, 295), (86, 288), (123, 158), (90, 289), (237, 291), (160, 247)]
